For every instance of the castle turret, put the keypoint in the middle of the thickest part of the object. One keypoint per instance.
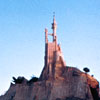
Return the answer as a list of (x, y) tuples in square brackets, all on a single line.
[(53, 54), (54, 27), (46, 35)]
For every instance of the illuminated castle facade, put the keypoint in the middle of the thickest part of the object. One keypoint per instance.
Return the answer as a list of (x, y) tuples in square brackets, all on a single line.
[(53, 55)]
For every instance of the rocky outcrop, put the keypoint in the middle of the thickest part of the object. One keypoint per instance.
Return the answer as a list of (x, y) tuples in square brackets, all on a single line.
[(71, 85), (56, 82)]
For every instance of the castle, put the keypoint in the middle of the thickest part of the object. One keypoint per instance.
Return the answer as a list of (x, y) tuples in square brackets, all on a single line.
[(53, 54)]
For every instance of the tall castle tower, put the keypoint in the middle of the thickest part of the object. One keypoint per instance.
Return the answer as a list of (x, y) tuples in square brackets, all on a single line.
[(53, 55)]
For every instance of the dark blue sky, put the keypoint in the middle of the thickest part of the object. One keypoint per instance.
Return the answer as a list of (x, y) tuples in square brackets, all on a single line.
[(22, 24)]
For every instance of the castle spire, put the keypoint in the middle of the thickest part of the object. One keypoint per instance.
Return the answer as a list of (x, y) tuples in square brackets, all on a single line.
[(53, 55), (54, 27)]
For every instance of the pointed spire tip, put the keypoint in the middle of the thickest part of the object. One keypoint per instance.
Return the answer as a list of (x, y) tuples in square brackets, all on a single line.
[(53, 14)]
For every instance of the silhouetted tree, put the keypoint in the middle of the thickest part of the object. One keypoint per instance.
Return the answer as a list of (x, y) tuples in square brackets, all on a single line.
[(86, 70), (33, 79), (18, 80)]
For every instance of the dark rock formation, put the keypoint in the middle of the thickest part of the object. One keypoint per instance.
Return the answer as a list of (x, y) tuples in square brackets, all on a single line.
[(71, 85)]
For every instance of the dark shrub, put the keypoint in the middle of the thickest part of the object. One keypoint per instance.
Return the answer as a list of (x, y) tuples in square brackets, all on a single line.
[(33, 79), (18, 80), (86, 69)]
